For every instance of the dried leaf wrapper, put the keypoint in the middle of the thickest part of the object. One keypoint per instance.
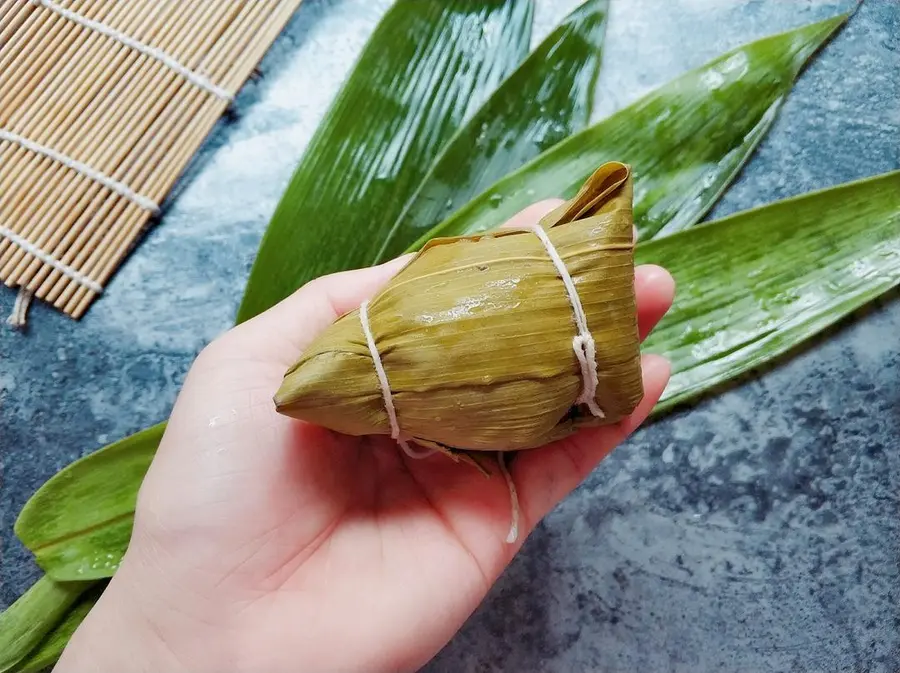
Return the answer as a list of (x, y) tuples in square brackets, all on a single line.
[(475, 335)]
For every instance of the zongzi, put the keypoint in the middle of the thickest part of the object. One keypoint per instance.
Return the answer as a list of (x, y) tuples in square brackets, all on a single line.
[(501, 341)]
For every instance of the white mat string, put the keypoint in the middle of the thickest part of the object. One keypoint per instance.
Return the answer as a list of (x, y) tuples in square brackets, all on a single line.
[(196, 78), (118, 187), (385, 386), (18, 319), (49, 260), (583, 344)]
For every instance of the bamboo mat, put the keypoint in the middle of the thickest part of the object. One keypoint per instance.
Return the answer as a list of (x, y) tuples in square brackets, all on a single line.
[(102, 105)]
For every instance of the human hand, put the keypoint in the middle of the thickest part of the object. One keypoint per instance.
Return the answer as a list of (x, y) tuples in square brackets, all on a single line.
[(262, 543)]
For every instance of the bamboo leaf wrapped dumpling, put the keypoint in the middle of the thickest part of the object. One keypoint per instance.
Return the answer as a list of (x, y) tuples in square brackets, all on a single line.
[(496, 342)]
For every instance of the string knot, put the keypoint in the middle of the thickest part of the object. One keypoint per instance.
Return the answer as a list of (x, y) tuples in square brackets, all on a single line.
[(583, 343)]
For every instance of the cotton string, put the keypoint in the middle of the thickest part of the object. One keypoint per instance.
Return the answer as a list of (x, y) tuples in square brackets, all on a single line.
[(19, 316), (95, 175), (194, 77), (583, 344), (49, 260), (513, 534), (385, 387)]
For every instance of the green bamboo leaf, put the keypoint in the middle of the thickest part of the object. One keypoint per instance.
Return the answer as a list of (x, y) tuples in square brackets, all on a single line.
[(50, 649), (549, 97), (74, 535), (685, 141), (756, 284), (78, 524), (24, 623), (427, 67)]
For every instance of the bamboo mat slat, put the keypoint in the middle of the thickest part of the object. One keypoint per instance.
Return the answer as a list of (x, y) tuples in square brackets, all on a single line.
[(102, 105)]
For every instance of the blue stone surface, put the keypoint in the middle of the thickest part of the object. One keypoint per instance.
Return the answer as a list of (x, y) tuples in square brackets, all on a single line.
[(758, 531)]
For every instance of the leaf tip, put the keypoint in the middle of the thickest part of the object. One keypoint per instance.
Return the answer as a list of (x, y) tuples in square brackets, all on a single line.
[(826, 28), (812, 37)]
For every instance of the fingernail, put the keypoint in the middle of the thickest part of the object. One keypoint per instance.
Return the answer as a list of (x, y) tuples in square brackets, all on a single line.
[(652, 274), (657, 365), (398, 262)]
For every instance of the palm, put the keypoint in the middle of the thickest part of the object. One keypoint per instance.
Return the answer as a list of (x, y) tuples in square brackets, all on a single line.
[(277, 510)]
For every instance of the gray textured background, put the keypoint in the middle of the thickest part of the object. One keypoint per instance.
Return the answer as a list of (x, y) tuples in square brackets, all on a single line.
[(756, 532)]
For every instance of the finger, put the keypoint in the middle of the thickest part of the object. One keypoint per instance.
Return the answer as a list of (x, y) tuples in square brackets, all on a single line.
[(283, 331), (236, 375), (532, 214), (655, 291), (545, 476)]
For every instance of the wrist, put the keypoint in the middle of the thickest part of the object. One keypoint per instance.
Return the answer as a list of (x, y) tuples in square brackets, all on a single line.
[(119, 635)]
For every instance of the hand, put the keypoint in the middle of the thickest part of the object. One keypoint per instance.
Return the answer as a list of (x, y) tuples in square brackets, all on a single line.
[(262, 543)]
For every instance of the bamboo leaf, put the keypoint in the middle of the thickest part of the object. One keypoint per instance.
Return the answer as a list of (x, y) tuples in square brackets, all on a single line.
[(78, 524), (686, 141), (427, 67), (50, 649), (24, 623), (74, 535), (549, 97), (756, 284)]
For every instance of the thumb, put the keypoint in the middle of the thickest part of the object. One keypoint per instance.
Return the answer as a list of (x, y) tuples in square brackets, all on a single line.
[(283, 331), (226, 399)]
